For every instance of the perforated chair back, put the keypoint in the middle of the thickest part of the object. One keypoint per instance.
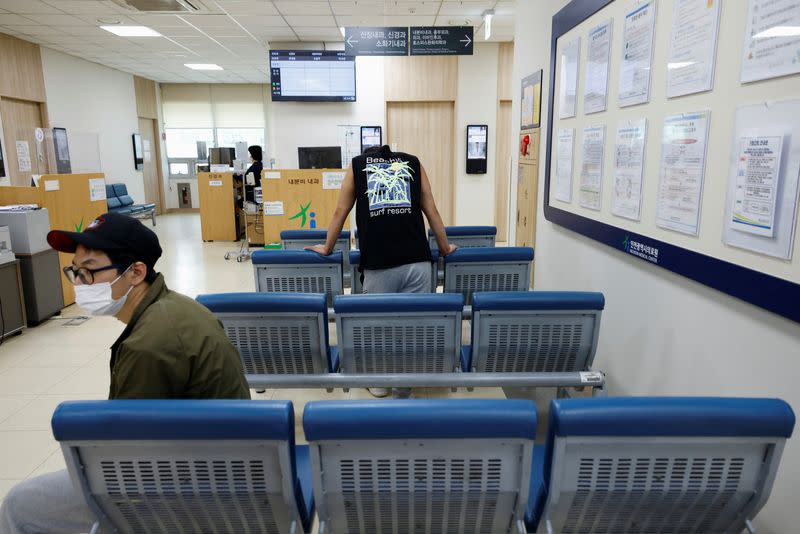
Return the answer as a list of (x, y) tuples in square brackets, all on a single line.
[(163, 467), (428, 466), (466, 236), (356, 287), (275, 333), (535, 331), (671, 465), (299, 239), (399, 333), (298, 271), (469, 270)]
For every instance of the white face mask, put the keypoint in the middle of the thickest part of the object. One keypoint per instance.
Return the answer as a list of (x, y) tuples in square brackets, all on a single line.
[(96, 299)]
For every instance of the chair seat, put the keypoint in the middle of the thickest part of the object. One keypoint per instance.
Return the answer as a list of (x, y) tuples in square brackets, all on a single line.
[(333, 359), (125, 210), (146, 206), (136, 208), (304, 488), (466, 358), (537, 494)]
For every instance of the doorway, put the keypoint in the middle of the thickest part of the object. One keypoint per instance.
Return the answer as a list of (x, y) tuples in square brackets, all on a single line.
[(425, 129)]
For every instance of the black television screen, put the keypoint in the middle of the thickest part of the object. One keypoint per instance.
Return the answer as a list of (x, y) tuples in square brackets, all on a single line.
[(312, 76), (319, 157)]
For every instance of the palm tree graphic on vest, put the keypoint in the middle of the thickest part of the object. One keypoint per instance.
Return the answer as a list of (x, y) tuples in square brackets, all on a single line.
[(303, 214), (389, 184)]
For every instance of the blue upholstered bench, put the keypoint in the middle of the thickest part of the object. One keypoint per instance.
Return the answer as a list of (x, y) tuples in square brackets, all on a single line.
[(298, 271), (119, 201)]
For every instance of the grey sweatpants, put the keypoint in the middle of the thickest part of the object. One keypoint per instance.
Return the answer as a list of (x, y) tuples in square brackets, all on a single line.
[(47, 503), (408, 278)]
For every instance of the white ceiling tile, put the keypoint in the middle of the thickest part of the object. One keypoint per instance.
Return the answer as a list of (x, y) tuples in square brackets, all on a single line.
[(411, 8), (29, 6), (318, 33), (261, 20), (59, 20), (290, 7), (313, 20), (361, 7), (86, 7), (362, 20), (158, 20), (16, 20), (92, 19), (248, 7), (209, 21), (464, 9)]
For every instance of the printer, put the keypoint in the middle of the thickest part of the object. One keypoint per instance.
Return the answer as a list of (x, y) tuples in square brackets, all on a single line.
[(6, 254)]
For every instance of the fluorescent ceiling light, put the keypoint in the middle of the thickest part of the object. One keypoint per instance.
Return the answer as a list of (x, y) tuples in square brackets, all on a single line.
[(203, 66), (779, 31), (341, 29), (132, 31), (487, 24)]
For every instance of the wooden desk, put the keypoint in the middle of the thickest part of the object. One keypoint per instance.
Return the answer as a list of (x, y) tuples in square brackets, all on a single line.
[(220, 201)]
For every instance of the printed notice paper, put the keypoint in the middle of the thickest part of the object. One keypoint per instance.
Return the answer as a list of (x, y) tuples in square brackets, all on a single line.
[(273, 207), (97, 189), (568, 81), (23, 156), (628, 168), (332, 179), (637, 54), (771, 40), (757, 176), (693, 46), (594, 98), (592, 167), (683, 162), (564, 149)]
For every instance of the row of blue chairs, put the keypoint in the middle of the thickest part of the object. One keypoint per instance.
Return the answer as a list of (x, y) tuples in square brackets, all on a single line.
[(466, 271), (607, 466), (512, 332)]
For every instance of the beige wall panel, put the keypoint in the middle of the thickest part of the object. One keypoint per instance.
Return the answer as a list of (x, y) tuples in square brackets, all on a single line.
[(505, 66), (502, 174), (420, 78)]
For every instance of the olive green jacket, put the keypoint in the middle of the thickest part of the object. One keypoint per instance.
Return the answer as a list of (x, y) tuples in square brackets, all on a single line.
[(174, 348)]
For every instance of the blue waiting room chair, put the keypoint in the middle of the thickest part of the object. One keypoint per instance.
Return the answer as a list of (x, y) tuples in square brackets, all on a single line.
[(434, 466), (299, 239), (469, 270), (298, 271), (276, 333), (629, 465), (169, 466)]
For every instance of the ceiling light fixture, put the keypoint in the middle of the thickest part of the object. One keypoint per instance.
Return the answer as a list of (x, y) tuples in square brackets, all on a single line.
[(487, 24), (132, 31), (203, 66), (109, 21), (341, 30)]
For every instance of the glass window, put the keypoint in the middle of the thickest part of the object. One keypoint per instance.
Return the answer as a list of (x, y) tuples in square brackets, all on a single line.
[(230, 136), (178, 168), (182, 142)]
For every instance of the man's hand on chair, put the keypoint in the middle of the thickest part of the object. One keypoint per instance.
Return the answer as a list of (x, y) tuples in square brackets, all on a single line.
[(319, 249)]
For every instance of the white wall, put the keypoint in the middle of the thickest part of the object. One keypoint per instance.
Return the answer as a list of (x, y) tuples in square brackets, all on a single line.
[(89, 98), (663, 334), (476, 104)]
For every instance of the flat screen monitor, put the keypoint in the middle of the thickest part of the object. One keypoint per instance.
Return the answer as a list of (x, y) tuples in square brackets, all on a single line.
[(312, 76), (221, 155), (319, 157), (370, 137), (477, 147)]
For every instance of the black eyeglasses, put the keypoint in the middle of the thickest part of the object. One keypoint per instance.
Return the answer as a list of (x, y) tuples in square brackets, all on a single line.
[(86, 276)]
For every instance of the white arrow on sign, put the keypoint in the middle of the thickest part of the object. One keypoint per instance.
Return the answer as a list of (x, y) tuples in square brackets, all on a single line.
[(350, 40), (466, 40)]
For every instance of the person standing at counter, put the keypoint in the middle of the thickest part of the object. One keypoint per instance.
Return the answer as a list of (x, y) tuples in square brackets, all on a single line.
[(256, 166)]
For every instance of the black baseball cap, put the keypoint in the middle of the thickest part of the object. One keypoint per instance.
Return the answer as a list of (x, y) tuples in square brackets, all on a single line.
[(111, 232)]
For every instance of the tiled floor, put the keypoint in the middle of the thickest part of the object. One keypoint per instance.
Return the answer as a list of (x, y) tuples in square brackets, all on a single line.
[(53, 362)]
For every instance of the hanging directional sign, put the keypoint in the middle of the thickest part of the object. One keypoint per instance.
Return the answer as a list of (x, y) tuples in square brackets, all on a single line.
[(376, 41), (441, 40)]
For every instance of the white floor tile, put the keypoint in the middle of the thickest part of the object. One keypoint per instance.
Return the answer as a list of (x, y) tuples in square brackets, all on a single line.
[(32, 380), (54, 462), (11, 405), (23, 451), (36, 414), (88, 380)]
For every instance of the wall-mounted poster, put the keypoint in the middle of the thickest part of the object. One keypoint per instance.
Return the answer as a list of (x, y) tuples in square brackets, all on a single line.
[(531, 105)]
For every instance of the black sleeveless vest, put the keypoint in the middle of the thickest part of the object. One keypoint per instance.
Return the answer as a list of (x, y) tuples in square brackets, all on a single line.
[(391, 231)]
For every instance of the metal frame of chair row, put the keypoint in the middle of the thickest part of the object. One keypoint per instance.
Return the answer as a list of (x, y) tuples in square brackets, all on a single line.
[(455, 465), (298, 271), (627, 465), (165, 466), (356, 287), (299, 239), (469, 270), (276, 333)]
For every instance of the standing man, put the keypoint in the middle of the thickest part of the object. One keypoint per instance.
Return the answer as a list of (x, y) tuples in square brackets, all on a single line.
[(391, 191), (171, 348), (255, 168)]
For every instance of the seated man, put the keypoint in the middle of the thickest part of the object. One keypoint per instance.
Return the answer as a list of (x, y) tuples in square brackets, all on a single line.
[(171, 348)]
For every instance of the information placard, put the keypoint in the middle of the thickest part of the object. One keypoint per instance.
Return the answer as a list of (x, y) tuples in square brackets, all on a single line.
[(441, 40)]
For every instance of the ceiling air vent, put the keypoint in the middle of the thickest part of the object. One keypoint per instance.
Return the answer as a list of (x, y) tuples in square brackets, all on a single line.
[(161, 6)]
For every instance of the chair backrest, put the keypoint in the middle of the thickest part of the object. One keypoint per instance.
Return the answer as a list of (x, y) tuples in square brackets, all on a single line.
[(449, 465), (275, 333), (169, 466), (120, 190), (633, 465), (356, 287), (298, 239), (399, 333), (110, 191), (466, 236), (298, 271), (469, 270), (113, 202), (535, 331)]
